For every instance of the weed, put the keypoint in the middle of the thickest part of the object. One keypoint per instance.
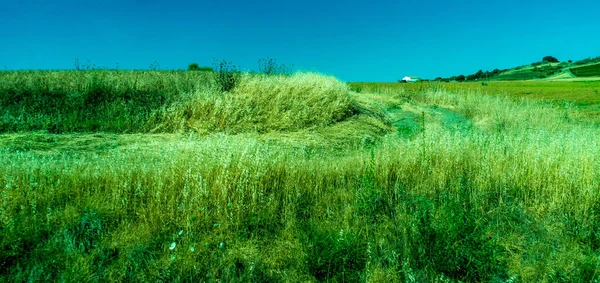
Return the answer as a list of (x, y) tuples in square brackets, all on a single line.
[(269, 66), (226, 75)]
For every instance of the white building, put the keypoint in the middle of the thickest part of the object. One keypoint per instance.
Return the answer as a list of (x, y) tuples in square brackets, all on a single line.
[(411, 79)]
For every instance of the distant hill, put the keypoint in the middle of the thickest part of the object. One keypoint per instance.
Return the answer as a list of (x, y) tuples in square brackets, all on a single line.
[(547, 69)]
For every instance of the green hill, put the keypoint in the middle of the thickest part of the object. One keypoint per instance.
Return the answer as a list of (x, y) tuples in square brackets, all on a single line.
[(586, 71), (586, 68)]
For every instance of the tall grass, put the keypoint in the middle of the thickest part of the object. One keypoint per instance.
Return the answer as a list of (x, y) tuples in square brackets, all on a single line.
[(151, 101), (514, 197), (96, 100), (265, 103)]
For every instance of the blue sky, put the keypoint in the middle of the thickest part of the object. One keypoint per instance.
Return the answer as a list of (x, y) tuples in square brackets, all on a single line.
[(352, 40)]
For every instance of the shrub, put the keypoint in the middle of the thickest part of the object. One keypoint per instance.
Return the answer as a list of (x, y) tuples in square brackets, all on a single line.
[(460, 78), (226, 75)]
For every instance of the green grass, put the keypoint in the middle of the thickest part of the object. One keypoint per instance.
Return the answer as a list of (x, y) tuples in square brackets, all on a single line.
[(422, 183), (97, 100), (579, 100), (586, 71), (158, 101), (263, 104)]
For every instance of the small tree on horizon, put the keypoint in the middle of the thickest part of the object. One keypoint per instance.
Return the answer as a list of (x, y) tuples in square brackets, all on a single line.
[(196, 67), (550, 59)]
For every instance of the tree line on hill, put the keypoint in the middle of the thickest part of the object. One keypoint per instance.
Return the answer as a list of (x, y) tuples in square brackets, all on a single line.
[(473, 77)]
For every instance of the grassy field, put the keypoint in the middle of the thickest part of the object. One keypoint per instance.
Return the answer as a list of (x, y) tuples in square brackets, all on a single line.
[(587, 71), (159, 176), (579, 99)]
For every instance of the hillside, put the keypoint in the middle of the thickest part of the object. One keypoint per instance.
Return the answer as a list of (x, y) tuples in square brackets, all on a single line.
[(587, 71), (548, 70)]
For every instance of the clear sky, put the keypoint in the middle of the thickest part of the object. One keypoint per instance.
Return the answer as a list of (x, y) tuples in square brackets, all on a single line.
[(353, 40)]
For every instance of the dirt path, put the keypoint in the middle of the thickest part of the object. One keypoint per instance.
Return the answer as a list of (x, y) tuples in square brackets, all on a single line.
[(408, 119)]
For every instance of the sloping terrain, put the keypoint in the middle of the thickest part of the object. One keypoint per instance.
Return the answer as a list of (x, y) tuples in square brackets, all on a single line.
[(587, 71)]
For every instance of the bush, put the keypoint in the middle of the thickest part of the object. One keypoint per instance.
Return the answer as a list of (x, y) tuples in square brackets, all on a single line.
[(460, 78), (226, 75)]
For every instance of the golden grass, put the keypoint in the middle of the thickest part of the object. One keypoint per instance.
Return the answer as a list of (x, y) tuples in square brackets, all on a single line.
[(263, 104)]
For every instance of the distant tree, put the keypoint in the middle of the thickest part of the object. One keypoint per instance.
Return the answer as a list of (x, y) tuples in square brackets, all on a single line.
[(496, 72), (193, 67), (196, 67), (570, 61), (550, 59), (479, 75), (438, 79), (460, 78)]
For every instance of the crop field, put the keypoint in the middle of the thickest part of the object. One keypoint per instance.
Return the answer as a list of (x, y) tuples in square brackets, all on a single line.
[(163, 176), (587, 71)]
